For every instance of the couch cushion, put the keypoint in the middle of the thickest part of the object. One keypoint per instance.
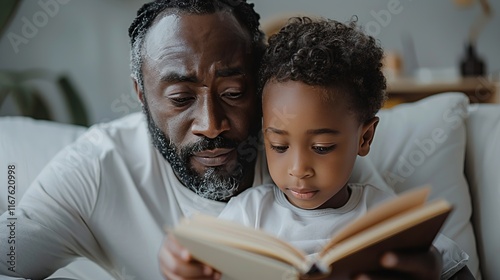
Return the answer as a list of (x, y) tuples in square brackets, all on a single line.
[(482, 169), (29, 145), (424, 143)]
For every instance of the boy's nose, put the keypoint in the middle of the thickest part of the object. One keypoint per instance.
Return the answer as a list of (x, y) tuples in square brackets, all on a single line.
[(300, 168)]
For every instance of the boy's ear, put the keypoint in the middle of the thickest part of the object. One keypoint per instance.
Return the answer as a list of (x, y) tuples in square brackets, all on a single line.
[(367, 134), (137, 89)]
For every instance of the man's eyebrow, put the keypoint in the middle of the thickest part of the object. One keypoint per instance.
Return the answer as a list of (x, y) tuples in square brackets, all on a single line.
[(173, 77), (275, 130), (323, 131), (228, 72)]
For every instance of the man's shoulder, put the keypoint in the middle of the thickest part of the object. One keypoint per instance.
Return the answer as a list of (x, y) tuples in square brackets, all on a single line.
[(127, 136), (131, 122), (122, 131)]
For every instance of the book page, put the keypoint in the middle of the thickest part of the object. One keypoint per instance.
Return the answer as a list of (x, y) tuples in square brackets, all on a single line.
[(238, 236), (381, 212)]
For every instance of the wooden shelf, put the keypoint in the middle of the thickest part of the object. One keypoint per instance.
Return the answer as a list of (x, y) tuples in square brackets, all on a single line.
[(479, 89)]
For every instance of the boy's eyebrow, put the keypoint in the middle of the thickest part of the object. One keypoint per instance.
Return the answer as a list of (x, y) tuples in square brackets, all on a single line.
[(323, 131), (311, 131), (275, 130)]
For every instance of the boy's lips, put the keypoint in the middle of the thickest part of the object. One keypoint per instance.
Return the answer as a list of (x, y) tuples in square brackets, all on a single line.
[(215, 157), (303, 193)]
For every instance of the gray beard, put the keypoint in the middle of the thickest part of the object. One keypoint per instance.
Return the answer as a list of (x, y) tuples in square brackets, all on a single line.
[(217, 183)]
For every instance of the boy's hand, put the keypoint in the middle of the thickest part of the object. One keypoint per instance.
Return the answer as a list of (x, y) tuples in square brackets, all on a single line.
[(176, 263), (422, 265)]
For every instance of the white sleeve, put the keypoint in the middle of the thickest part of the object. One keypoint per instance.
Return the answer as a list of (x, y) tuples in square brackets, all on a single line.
[(49, 227), (454, 258)]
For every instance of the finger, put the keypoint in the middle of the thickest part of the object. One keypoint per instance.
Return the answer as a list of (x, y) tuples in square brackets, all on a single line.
[(382, 276), (421, 265), (176, 249), (177, 263), (173, 268)]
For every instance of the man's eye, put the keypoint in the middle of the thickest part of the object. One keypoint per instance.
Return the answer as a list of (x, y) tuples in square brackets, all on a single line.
[(232, 94), (279, 149), (323, 149), (180, 101)]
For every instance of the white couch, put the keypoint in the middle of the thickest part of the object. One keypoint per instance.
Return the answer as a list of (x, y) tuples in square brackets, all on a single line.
[(441, 140)]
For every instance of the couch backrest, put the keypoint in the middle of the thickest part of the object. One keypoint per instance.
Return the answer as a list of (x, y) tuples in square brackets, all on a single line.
[(482, 168), (29, 144)]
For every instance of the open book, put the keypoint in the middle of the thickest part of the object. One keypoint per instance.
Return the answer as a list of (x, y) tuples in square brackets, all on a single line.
[(405, 222)]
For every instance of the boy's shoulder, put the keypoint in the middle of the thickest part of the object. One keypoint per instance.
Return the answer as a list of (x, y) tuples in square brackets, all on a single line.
[(255, 195), (258, 191)]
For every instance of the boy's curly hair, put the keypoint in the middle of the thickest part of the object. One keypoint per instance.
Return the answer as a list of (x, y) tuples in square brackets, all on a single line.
[(328, 53)]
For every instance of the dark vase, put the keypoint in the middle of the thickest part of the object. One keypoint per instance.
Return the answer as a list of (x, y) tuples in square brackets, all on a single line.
[(472, 64)]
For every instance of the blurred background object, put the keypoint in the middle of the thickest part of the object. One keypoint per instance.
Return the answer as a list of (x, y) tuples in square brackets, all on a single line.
[(7, 11), (30, 101), (18, 88), (88, 42), (472, 64)]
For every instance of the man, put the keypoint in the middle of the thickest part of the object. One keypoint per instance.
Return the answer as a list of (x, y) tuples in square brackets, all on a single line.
[(110, 195)]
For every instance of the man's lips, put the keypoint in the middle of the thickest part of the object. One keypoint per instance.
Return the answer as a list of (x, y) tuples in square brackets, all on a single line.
[(215, 157), (303, 193)]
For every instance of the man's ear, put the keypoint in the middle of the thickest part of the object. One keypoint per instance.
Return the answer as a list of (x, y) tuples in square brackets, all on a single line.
[(137, 89), (367, 134)]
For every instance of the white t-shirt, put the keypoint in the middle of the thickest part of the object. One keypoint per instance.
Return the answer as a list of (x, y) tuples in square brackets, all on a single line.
[(107, 197), (266, 207)]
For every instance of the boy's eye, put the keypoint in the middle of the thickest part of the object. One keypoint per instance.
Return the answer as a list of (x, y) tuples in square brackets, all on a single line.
[(323, 149), (279, 149)]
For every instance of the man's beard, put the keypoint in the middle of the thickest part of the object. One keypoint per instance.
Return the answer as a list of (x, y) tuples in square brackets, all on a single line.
[(217, 183)]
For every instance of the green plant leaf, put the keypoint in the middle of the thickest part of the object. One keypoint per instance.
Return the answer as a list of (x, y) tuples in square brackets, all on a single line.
[(28, 98), (40, 108), (23, 96), (7, 11), (73, 102)]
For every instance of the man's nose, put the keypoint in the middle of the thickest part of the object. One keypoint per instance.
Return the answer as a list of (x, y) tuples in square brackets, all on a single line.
[(211, 119)]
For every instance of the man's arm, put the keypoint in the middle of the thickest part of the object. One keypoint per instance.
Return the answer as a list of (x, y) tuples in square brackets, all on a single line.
[(50, 225)]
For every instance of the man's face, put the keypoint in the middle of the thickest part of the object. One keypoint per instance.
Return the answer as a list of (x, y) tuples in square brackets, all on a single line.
[(200, 99)]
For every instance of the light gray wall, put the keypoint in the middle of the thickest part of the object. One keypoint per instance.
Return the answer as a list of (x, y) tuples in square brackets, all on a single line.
[(88, 40), (437, 28)]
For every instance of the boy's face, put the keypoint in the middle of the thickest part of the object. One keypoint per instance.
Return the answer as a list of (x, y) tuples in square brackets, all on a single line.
[(312, 142)]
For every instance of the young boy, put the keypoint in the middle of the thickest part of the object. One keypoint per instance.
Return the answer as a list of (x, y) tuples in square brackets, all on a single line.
[(321, 84)]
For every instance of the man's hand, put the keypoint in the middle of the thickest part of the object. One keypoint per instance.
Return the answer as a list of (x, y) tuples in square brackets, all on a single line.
[(426, 265), (176, 263)]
